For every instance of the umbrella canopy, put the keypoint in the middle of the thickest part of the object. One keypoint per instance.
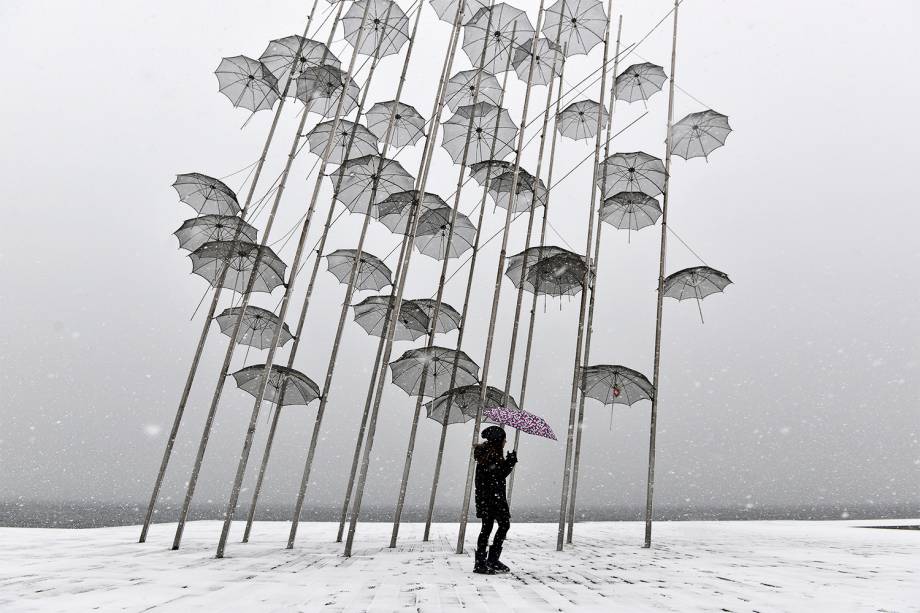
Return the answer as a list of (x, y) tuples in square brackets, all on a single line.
[(699, 134), (491, 133), (488, 170), (207, 195), (386, 27), (372, 274), (630, 211), (547, 61), (298, 388), (408, 123), (393, 212), (529, 191), (239, 257), (433, 227), (461, 89), (257, 328), (320, 87), (615, 384), (437, 363), (355, 181), (447, 9), (527, 258), (520, 420), (578, 120), (557, 275), (461, 404), (448, 317), (195, 232), (696, 282), (576, 25), (350, 140), (639, 82), (372, 312), (247, 83), (508, 28), (631, 172), (282, 53)]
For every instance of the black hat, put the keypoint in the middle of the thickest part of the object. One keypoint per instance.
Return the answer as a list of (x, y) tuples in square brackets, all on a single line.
[(493, 433)]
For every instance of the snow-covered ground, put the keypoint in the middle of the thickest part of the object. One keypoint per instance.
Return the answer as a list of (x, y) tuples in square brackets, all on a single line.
[(694, 566)]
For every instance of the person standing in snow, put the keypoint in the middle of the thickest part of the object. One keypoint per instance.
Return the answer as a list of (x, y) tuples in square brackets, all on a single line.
[(492, 467)]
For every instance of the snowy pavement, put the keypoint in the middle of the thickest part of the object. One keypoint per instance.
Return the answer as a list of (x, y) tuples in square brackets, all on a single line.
[(694, 566)]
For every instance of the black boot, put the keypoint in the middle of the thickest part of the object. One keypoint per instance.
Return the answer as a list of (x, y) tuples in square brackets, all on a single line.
[(482, 567), (495, 564)]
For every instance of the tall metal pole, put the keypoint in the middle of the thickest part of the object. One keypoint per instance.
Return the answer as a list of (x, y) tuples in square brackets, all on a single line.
[(209, 420), (653, 420), (576, 373), (496, 295), (436, 310), (595, 258), (461, 329), (395, 306), (321, 246), (193, 368), (285, 301), (359, 440)]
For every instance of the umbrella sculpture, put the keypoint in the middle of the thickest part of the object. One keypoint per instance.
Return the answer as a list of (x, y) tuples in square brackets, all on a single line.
[(695, 284), (437, 363), (519, 419), (207, 195), (523, 198), (489, 123), (447, 9), (630, 211), (239, 258), (372, 272), (281, 54), (351, 140), (195, 232), (408, 123), (544, 65), (386, 27), (373, 312), (257, 327), (639, 82), (577, 25), (631, 172), (433, 228), (298, 388), (247, 83), (460, 404), (488, 170), (393, 212), (461, 89), (501, 33), (360, 179), (448, 317), (530, 256), (699, 134), (558, 275), (321, 87), (615, 385), (578, 121)]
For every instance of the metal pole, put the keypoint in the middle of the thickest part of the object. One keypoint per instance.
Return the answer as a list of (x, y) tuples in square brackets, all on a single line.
[(436, 310), (285, 301), (596, 257), (193, 369), (466, 304), (359, 441), (310, 285), (209, 420), (390, 326), (496, 296), (576, 375), (653, 420)]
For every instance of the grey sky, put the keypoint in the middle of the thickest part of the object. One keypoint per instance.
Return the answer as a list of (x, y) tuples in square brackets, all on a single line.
[(802, 386)]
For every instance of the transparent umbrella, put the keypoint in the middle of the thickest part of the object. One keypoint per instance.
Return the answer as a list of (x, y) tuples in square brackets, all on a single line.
[(461, 89), (488, 170), (372, 313), (557, 275), (355, 180), (351, 140), (320, 87), (448, 317), (699, 134), (372, 274), (695, 283), (281, 53), (408, 123), (447, 9), (639, 82), (546, 62), (247, 83), (523, 197), (257, 328), (386, 28), (239, 257), (578, 120), (576, 25), (612, 384), (630, 211), (298, 388), (509, 27), (433, 228), (492, 134), (631, 172), (461, 404), (207, 195), (195, 232), (527, 258), (437, 364), (393, 211)]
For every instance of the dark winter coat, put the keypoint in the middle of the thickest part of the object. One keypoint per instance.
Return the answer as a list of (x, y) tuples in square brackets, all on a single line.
[(491, 471)]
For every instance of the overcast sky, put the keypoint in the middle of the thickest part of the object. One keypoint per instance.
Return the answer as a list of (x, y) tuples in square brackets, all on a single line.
[(802, 386)]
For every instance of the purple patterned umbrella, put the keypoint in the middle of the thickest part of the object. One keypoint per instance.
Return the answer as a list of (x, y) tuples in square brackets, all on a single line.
[(520, 420)]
